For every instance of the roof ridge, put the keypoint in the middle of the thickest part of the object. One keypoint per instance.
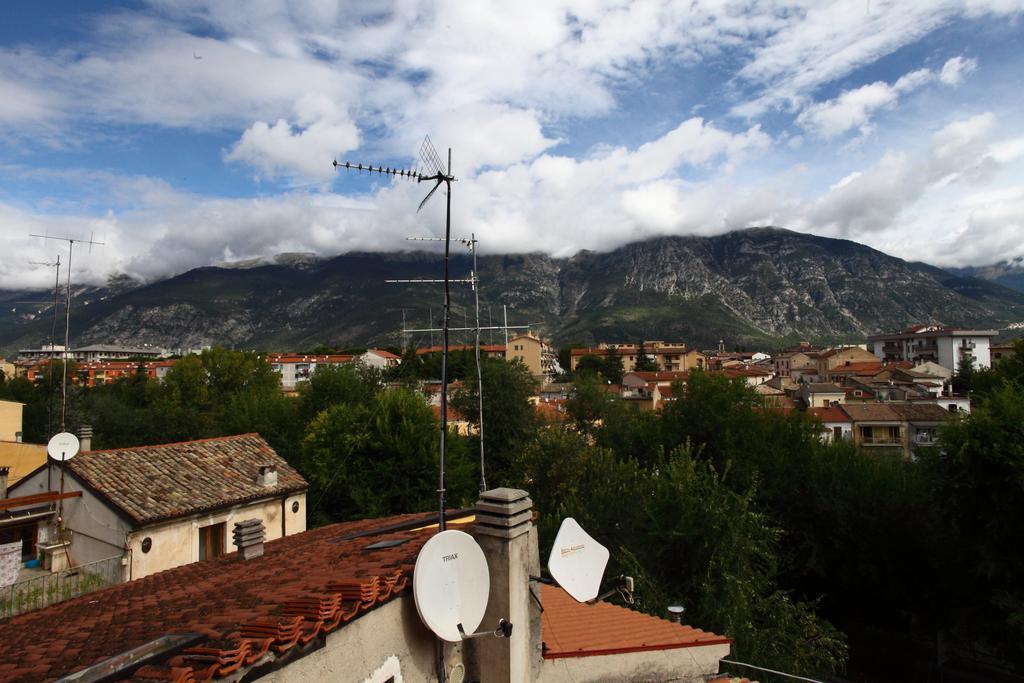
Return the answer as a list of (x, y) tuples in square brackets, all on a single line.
[(176, 443)]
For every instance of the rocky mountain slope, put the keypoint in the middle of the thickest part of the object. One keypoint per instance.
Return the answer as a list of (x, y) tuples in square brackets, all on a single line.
[(751, 287)]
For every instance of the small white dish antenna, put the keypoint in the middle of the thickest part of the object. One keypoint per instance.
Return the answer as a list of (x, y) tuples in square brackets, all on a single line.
[(63, 446), (450, 585), (577, 562)]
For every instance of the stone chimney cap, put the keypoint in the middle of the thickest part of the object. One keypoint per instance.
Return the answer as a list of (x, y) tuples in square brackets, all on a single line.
[(504, 495)]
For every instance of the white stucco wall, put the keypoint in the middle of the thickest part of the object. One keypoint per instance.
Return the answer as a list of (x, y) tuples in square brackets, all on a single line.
[(690, 664), (357, 650), (176, 542)]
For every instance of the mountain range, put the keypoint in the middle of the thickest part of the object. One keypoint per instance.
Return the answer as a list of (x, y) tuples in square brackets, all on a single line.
[(754, 287)]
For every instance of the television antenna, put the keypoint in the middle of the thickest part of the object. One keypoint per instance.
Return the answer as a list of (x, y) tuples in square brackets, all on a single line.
[(53, 333), (440, 173), (474, 281), (451, 584), (577, 564), (67, 320)]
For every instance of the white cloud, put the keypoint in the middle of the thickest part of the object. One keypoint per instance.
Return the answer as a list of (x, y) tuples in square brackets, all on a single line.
[(872, 200), (956, 69)]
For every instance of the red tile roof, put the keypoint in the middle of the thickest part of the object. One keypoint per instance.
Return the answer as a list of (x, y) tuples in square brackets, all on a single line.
[(661, 375), (309, 358), (485, 348), (573, 629), (304, 585), (151, 483), (830, 414)]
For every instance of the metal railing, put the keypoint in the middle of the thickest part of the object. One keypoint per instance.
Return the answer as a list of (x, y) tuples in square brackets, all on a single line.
[(42, 591)]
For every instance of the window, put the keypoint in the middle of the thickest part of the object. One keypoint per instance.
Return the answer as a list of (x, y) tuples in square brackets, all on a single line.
[(837, 433), (211, 541)]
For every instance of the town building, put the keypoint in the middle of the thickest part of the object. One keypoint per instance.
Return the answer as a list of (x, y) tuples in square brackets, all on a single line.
[(946, 346), (296, 369), (91, 354), (336, 603), (670, 357), (158, 507), (380, 359), (535, 353), (836, 425)]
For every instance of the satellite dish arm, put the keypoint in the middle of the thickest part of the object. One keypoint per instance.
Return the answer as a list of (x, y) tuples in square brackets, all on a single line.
[(504, 630)]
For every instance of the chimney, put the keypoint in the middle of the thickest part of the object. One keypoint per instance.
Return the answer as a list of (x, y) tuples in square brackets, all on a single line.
[(85, 438), (249, 536), (4, 472), (675, 613), (267, 477), (504, 529)]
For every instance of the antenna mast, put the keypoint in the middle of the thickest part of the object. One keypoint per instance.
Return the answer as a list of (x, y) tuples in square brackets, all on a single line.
[(440, 173), (67, 323)]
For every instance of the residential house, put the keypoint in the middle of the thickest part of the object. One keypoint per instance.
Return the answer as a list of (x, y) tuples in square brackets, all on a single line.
[(296, 369), (820, 395), (6, 369), (946, 346), (18, 458), (10, 420), (833, 358), (163, 506), (90, 354), (753, 375), (534, 353), (836, 425), (921, 424), (876, 426), (1001, 352), (486, 350), (336, 603), (671, 357), (380, 359)]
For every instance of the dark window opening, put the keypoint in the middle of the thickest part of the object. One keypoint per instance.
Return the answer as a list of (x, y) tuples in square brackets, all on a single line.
[(211, 541)]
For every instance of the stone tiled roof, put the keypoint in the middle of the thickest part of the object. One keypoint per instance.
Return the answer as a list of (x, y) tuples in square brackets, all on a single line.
[(248, 612), (152, 483), (921, 412), (871, 412)]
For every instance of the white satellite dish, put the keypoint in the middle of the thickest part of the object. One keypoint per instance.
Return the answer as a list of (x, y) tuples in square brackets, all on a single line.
[(450, 585), (577, 562), (63, 446)]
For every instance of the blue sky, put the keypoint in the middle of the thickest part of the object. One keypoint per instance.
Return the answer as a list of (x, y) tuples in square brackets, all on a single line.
[(190, 133)]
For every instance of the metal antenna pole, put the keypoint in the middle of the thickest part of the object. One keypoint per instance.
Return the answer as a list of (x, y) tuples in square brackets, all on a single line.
[(479, 370), (505, 309), (444, 353), (64, 367), (67, 323)]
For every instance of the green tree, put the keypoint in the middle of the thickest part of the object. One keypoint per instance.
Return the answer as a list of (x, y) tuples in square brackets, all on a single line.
[(644, 363), (981, 486), (589, 402), (380, 458), (690, 540), (510, 419), (612, 368), (589, 363), (350, 384), (964, 377)]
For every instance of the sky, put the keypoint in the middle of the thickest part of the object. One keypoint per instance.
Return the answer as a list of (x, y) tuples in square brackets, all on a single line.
[(191, 133)]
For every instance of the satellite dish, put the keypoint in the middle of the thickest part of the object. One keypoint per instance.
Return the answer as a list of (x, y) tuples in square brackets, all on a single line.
[(577, 561), (450, 585), (63, 446)]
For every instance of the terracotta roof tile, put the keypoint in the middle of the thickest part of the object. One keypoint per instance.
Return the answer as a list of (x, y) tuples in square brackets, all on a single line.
[(150, 483), (830, 414), (573, 629), (250, 610)]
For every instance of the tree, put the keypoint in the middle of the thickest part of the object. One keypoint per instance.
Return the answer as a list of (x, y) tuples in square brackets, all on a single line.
[(589, 363), (510, 419), (350, 384), (612, 367), (681, 510), (981, 484), (644, 363), (590, 403), (965, 372), (381, 458)]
